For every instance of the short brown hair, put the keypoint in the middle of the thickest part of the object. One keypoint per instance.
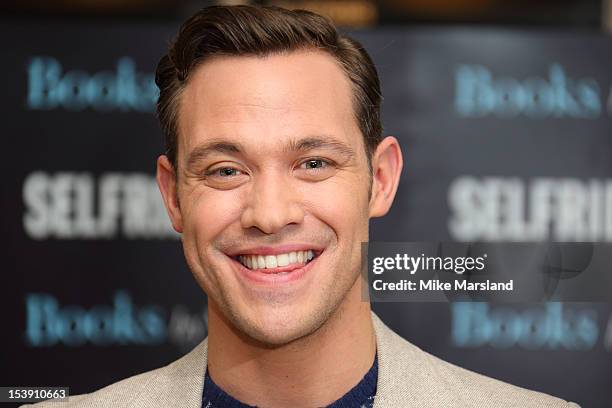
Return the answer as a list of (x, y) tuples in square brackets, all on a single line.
[(260, 31)]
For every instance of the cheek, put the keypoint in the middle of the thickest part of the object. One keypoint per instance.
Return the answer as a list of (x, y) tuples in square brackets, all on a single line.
[(207, 213), (342, 204)]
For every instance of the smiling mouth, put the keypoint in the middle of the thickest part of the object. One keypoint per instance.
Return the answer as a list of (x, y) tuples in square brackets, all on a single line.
[(284, 260)]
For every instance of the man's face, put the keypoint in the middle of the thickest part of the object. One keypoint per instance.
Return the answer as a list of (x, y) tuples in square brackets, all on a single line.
[(272, 171)]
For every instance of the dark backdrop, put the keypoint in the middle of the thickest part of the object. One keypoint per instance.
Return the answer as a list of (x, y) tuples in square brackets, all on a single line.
[(503, 132)]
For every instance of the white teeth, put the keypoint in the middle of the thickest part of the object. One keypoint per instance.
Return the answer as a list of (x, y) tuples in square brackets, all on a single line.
[(283, 259), (273, 261)]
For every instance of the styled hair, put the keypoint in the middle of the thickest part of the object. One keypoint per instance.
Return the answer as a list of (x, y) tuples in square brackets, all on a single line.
[(261, 31)]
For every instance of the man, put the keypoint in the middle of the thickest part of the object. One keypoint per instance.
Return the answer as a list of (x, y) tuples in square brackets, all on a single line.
[(275, 163)]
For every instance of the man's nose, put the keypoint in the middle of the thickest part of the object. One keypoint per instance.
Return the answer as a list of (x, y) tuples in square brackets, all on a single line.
[(273, 203)]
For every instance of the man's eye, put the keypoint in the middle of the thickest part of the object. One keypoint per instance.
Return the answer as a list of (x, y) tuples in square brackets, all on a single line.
[(314, 164), (224, 172)]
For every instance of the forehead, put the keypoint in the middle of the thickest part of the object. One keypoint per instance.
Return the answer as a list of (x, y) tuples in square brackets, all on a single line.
[(264, 100)]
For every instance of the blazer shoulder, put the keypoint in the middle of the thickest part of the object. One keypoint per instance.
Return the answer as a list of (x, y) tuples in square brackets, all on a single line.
[(118, 394), (176, 384), (477, 388), (407, 373)]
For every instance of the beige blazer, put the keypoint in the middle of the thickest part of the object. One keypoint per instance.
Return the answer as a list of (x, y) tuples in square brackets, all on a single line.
[(407, 377)]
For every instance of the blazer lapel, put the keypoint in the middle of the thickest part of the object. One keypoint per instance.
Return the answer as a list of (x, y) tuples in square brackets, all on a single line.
[(405, 374)]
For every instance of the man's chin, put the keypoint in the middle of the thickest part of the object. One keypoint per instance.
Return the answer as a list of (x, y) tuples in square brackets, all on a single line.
[(273, 332)]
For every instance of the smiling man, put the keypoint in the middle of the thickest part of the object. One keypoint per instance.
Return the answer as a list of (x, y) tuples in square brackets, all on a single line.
[(267, 177), (275, 163)]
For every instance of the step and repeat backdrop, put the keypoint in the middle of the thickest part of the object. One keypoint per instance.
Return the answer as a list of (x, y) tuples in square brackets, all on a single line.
[(507, 136)]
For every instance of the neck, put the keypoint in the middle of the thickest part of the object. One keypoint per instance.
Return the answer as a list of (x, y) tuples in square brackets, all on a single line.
[(312, 371)]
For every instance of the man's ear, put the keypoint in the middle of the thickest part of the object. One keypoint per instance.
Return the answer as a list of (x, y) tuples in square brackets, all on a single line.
[(387, 163), (166, 180)]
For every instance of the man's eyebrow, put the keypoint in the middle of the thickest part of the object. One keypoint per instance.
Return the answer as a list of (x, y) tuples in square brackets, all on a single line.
[(204, 150), (321, 142)]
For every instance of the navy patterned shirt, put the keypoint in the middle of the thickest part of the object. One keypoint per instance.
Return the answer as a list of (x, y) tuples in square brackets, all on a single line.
[(360, 396)]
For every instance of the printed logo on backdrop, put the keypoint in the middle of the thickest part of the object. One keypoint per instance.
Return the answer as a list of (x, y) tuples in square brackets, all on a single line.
[(552, 326), (80, 205), (479, 92), (50, 86), (49, 323), (497, 209)]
